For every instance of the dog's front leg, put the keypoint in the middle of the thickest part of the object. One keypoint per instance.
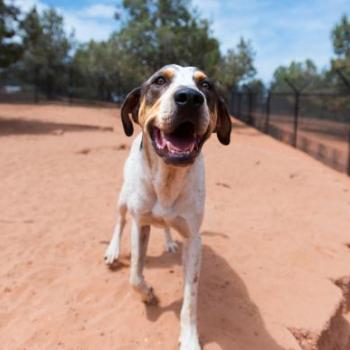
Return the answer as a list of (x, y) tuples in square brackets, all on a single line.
[(139, 242), (191, 261), (113, 250)]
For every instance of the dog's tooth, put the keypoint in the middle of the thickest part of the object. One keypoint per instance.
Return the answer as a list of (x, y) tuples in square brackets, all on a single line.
[(161, 141), (171, 148), (168, 146)]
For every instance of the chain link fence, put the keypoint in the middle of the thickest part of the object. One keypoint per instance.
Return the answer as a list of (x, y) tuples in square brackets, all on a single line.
[(63, 85), (317, 123)]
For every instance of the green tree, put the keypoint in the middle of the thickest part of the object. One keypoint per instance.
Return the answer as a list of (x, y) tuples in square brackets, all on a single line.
[(46, 51), (256, 86), (237, 65), (10, 51), (340, 71), (302, 75), (158, 32), (154, 33), (341, 38), (97, 70), (33, 58)]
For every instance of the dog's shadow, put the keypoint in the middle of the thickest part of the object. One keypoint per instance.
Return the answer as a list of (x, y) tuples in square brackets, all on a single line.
[(227, 316)]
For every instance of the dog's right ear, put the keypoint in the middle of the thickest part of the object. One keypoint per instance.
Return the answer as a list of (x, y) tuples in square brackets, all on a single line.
[(130, 106), (224, 125)]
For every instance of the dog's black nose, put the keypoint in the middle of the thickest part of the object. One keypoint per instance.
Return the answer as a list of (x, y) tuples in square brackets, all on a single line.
[(188, 98)]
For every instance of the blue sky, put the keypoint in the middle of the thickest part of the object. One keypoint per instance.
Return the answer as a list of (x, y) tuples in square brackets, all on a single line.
[(280, 30)]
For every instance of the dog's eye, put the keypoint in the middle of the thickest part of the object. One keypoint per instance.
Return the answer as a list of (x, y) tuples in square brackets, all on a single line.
[(205, 84), (159, 81)]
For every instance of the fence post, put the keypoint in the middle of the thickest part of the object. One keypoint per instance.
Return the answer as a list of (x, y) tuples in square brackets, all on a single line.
[(36, 79), (70, 84), (296, 118), (232, 102), (297, 94), (346, 82), (348, 169), (250, 107), (267, 120), (239, 105)]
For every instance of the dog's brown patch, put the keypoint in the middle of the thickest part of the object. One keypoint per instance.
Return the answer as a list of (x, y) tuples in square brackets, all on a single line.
[(168, 73), (148, 109), (148, 150), (198, 76)]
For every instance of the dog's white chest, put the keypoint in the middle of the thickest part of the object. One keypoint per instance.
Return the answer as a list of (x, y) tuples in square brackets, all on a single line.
[(159, 216)]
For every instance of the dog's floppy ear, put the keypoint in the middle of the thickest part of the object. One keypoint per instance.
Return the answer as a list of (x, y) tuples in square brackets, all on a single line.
[(130, 106), (223, 123)]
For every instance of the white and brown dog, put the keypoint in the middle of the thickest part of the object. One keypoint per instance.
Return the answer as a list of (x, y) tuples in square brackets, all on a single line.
[(178, 109)]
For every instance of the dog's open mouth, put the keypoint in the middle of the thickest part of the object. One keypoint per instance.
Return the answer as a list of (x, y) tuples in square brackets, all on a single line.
[(178, 147)]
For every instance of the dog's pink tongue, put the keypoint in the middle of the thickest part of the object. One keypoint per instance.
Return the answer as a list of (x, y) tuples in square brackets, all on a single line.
[(179, 143)]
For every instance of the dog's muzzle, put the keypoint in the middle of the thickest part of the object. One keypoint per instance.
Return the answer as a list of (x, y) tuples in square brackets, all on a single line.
[(182, 142)]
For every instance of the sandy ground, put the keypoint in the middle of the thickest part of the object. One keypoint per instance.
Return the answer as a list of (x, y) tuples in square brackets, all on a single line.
[(276, 233)]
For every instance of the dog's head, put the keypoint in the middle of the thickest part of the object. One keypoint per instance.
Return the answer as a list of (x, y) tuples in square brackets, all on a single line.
[(177, 108)]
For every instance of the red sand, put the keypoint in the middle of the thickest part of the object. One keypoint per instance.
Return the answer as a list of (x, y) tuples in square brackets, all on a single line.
[(276, 235)]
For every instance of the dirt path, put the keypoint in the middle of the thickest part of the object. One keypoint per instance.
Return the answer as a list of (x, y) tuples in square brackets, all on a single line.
[(276, 241)]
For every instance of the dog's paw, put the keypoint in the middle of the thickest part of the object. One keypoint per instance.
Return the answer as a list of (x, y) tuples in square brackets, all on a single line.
[(150, 298), (171, 247), (189, 342), (112, 254)]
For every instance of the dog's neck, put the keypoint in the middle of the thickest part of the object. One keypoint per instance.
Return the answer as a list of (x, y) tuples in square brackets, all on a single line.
[(168, 180)]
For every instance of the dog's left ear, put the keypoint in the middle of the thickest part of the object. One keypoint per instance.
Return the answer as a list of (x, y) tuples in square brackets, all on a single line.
[(223, 123), (130, 106)]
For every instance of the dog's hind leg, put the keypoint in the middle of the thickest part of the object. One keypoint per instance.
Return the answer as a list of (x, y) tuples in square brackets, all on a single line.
[(139, 242), (170, 245), (113, 250)]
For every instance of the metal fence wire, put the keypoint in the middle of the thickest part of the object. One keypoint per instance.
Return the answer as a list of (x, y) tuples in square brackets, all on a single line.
[(317, 123), (33, 87)]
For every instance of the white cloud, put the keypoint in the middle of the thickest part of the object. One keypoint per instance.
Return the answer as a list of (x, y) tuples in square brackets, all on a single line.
[(26, 5), (280, 31), (92, 22), (99, 11), (88, 28), (207, 8)]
